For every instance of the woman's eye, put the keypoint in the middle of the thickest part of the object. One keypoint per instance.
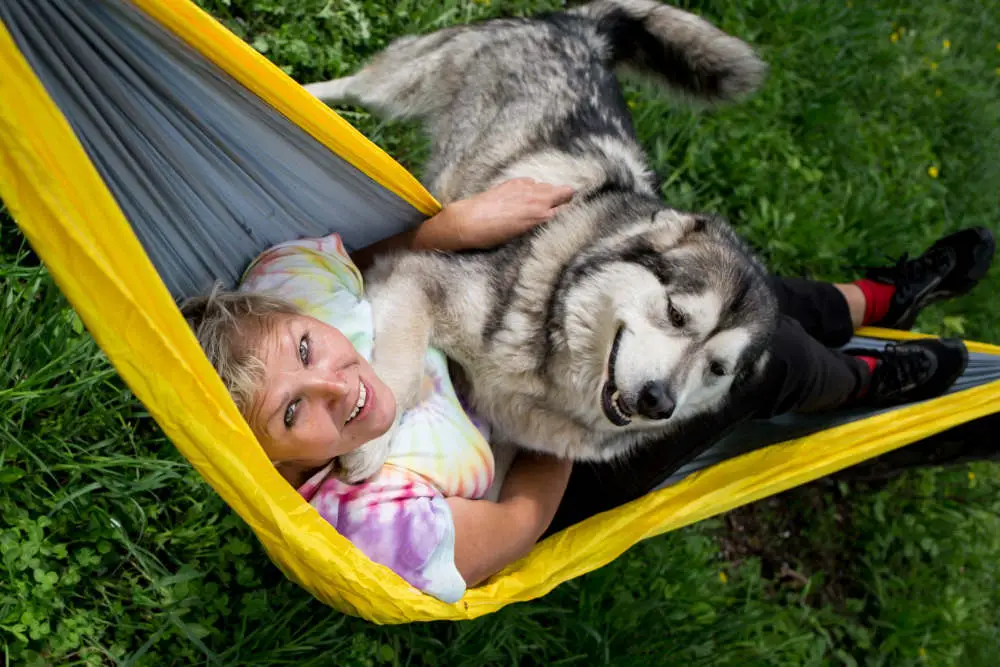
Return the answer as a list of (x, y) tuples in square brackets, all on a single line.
[(304, 350), (677, 318), (717, 369), (290, 412)]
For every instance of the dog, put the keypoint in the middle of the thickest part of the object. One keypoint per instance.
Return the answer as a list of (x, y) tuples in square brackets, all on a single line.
[(619, 320)]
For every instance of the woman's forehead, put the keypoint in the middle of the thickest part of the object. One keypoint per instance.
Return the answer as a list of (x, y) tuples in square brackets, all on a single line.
[(279, 338)]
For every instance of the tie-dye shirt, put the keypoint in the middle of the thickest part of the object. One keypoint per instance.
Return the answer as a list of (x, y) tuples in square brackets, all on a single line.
[(398, 517)]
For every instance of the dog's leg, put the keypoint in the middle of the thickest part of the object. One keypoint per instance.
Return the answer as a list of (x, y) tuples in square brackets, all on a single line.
[(335, 91), (360, 464), (678, 49), (403, 322), (409, 79)]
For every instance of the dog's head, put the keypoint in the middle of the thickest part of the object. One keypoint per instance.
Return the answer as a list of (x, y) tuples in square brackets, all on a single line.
[(664, 322)]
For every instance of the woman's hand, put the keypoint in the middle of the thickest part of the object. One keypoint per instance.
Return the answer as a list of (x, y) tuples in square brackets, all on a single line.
[(490, 536), (490, 218), (503, 212)]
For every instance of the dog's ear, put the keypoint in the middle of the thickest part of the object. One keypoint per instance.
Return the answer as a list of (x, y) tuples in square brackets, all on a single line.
[(673, 226)]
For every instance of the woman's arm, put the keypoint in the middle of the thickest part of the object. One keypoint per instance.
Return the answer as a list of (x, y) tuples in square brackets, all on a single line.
[(481, 221), (489, 536)]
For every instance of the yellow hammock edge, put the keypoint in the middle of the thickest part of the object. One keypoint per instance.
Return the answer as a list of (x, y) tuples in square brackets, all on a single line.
[(48, 182)]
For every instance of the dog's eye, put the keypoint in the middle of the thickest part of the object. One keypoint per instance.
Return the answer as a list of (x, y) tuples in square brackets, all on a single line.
[(677, 318), (716, 369)]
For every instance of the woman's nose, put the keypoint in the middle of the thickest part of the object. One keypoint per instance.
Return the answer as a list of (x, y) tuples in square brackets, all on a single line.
[(333, 388)]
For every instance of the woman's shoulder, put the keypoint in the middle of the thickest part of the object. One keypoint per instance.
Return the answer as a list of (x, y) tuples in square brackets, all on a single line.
[(296, 265)]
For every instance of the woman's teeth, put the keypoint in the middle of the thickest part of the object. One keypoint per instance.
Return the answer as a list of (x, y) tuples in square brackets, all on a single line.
[(362, 398)]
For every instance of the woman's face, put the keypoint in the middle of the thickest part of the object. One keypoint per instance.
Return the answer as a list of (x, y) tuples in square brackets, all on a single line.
[(320, 397)]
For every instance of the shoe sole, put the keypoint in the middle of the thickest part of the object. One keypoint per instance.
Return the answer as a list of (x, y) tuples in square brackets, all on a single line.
[(964, 286), (921, 301), (979, 270)]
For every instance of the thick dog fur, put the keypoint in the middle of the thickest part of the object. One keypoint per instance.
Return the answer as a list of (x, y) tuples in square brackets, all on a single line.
[(620, 319)]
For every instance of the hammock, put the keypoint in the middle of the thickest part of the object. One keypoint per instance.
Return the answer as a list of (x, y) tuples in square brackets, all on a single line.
[(145, 152)]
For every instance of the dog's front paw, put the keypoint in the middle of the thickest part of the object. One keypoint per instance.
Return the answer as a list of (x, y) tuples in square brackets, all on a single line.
[(331, 92), (357, 466)]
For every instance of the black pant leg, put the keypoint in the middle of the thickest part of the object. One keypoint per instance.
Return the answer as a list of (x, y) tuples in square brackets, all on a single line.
[(803, 375), (820, 308)]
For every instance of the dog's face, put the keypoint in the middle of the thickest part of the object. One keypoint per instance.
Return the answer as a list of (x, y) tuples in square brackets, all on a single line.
[(666, 324)]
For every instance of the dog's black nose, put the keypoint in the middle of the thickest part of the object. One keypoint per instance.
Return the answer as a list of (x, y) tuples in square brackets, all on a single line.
[(655, 401)]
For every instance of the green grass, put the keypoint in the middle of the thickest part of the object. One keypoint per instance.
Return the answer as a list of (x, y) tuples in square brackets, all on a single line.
[(112, 551)]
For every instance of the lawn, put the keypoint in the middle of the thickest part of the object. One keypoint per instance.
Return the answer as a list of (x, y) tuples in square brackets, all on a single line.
[(877, 131)]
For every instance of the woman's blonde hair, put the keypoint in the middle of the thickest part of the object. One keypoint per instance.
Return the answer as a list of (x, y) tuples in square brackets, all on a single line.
[(229, 327)]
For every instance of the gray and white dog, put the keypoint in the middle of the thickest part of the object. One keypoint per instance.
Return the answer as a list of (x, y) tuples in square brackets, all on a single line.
[(620, 319)]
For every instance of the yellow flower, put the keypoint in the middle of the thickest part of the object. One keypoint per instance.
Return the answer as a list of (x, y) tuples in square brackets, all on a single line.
[(894, 37), (933, 67), (972, 476), (922, 652), (946, 44), (932, 171), (631, 104), (723, 578), (937, 93)]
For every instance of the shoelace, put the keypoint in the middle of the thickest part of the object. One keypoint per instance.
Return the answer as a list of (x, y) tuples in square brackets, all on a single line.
[(909, 274), (903, 368)]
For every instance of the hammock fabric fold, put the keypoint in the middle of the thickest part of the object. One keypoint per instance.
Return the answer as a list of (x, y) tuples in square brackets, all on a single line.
[(146, 152)]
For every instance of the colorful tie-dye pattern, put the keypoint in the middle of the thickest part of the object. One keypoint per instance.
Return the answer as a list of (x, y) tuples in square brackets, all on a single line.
[(399, 517)]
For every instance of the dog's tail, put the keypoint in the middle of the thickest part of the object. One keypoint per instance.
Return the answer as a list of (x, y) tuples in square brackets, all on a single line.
[(685, 53)]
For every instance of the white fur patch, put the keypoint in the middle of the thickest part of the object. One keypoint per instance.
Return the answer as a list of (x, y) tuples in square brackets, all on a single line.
[(557, 168), (729, 345), (702, 310)]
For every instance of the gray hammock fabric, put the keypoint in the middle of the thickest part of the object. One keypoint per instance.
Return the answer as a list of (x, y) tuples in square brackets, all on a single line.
[(208, 175)]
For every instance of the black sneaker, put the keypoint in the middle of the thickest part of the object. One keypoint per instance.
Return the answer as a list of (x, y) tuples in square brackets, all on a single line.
[(913, 370), (950, 267)]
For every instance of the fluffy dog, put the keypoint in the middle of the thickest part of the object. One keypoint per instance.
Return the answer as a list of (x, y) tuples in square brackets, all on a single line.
[(620, 319)]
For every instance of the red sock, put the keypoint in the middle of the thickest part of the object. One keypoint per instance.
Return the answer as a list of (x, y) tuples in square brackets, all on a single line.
[(878, 297), (872, 362)]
